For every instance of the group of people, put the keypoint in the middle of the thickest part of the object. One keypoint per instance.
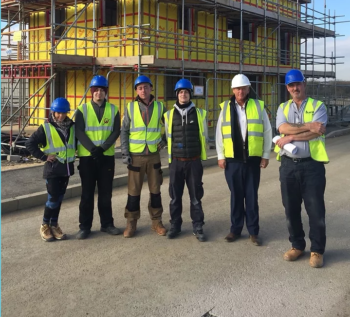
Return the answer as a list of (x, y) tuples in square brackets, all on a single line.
[(243, 144)]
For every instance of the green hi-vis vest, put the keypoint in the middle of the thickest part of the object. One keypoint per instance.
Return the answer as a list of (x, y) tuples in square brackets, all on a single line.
[(201, 114), (255, 128), (140, 134), (98, 132), (65, 152), (317, 145)]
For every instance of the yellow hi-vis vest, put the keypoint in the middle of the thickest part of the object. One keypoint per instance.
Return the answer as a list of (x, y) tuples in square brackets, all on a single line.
[(140, 134), (255, 128), (98, 132), (201, 114), (65, 152), (317, 145)]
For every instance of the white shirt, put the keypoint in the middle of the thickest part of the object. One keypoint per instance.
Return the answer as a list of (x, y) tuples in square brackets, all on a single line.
[(242, 117)]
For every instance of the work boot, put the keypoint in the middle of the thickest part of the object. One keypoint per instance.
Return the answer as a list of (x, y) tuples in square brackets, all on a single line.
[(231, 237), (57, 233), (111, 230), (174, 231), (130, 229), (83, 234), (199, 234), (292, 254), (46, 233), (316, 260), (255, 240), (158, 227)]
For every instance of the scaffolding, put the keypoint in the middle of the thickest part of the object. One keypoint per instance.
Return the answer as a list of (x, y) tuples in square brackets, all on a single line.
[(284, 34)]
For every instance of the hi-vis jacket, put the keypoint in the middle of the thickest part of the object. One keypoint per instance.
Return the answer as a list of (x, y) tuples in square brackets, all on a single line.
[(140, 134), (255, 128), (98, 132), (317, 145)]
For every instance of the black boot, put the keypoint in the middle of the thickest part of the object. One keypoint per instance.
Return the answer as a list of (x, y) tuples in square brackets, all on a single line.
[(174, 231), (199, 234)]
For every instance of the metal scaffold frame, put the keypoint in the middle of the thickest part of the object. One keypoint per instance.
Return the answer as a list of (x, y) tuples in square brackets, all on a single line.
[(297, 18)]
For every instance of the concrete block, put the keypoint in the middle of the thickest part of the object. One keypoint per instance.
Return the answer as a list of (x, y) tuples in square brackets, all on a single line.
[(13, 158), (32, 200), (9, 205)]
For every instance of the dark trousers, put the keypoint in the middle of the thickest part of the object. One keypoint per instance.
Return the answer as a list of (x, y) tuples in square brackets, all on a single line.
[(92, 171), (243, 180), (304, 181), (56, 188), (190, 172)]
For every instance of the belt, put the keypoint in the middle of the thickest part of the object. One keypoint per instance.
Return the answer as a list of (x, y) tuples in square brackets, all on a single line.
[(297, 160), (186, 159)]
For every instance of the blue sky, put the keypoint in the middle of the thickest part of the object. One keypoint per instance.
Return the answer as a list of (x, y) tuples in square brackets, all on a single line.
[(341, 8)]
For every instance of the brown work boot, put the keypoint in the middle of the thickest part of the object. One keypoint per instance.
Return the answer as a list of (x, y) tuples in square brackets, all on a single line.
[(316, 260), (158, 227), (57, 233), (231, 237), (292, 254), (130, 229), (46, 233), (255, 240)]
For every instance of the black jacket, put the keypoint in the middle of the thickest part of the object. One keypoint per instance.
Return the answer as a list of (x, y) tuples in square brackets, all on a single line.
[(51, 170)]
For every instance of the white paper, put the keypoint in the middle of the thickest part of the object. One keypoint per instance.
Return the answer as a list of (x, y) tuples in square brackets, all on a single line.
[(289, 147)]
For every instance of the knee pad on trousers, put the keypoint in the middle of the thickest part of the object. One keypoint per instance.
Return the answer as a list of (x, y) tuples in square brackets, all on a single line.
[(53, 204), (133, 203), (156, 200)]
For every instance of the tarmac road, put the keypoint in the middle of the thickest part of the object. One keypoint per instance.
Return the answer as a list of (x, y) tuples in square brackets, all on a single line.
[(154, 276)]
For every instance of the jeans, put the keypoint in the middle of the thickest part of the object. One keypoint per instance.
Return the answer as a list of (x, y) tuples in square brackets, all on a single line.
[(304, 181)]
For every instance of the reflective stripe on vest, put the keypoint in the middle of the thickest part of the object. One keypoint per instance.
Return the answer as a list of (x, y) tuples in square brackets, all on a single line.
[(317, 145), (55, 145), (140, 134), (255, 128), (97, 132), (201, 114)]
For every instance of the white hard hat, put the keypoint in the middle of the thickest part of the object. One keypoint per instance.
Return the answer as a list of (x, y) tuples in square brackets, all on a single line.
[(240, 80)]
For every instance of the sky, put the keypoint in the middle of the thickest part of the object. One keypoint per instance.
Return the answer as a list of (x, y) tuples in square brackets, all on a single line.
[(340, 8)]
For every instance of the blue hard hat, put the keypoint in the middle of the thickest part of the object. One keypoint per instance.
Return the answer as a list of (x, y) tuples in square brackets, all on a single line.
[(141, 80), (99, 81), (60, 105), (294, 76), (184, 84)]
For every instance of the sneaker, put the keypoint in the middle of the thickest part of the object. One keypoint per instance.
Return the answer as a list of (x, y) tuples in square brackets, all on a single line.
[(57, 233), (111, 230), (46, 233), (199, 234), (173, 232), (293, 254), (316, 260), (83, 234)]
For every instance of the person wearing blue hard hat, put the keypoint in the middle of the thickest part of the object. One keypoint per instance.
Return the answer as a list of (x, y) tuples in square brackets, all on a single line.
[(141, 141), (97, 129), (243, 143), (187, 134), (54, 143), (302, 121)]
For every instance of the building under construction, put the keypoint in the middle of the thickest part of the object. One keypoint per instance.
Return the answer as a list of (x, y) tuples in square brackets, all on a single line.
[(53, 48)]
